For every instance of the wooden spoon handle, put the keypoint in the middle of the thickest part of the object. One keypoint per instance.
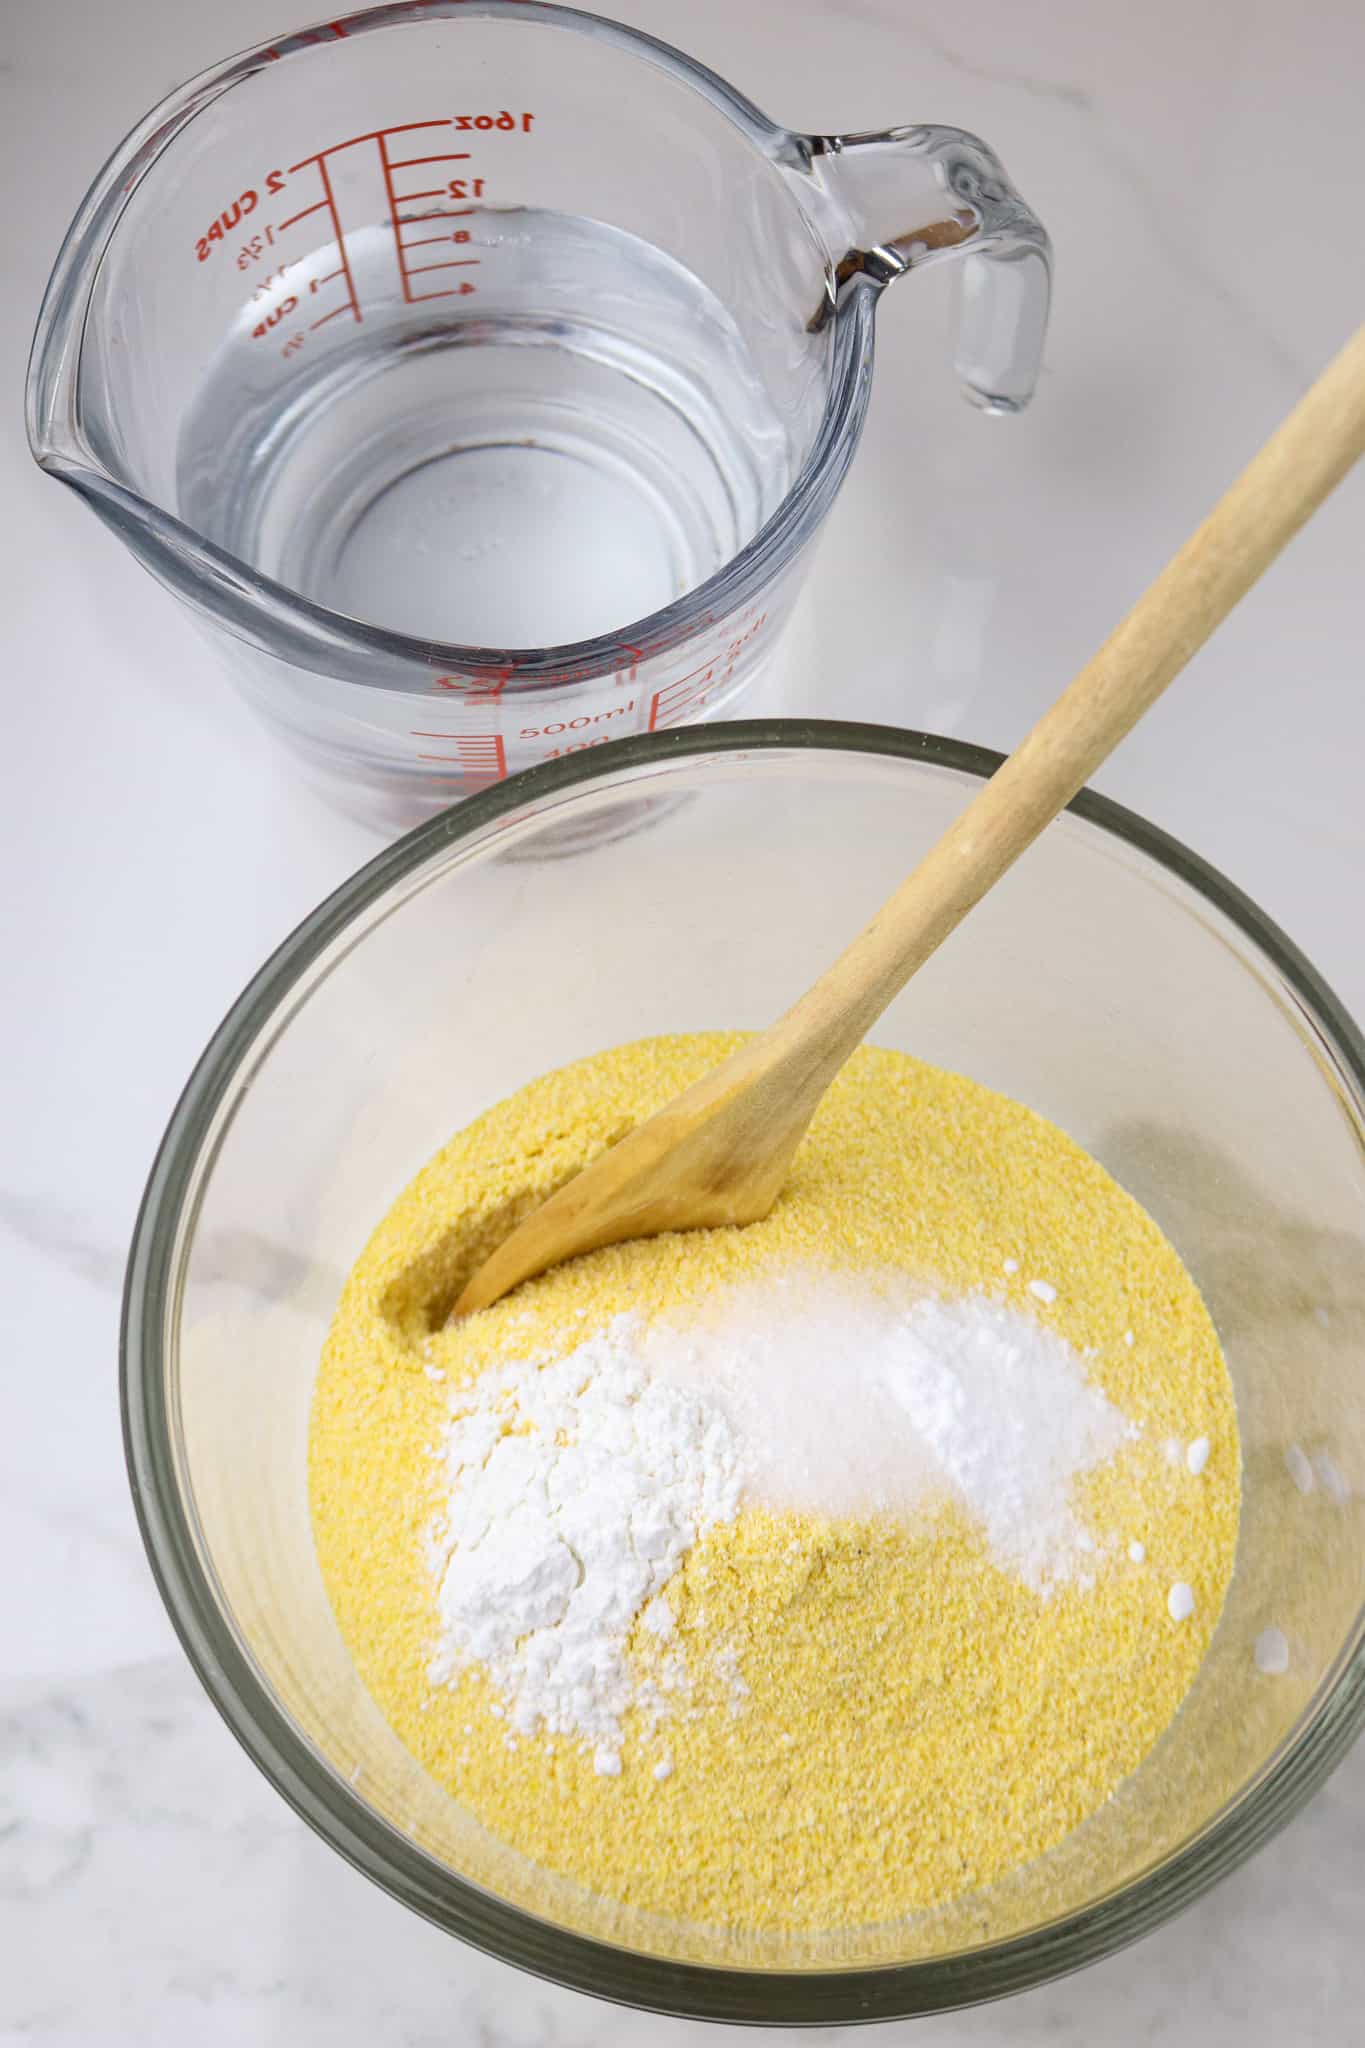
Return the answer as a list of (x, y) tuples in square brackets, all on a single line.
[(1264, 509)]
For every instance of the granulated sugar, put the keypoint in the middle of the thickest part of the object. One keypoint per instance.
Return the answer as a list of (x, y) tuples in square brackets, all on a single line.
[(856, 1397)]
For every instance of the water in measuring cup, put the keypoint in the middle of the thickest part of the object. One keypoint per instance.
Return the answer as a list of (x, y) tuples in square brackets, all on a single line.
[(577, 441)]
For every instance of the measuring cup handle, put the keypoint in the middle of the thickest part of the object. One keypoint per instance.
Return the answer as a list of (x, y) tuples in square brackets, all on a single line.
[(901, 198)]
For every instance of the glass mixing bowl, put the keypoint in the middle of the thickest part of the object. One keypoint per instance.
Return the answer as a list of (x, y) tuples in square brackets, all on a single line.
[(697, 879)]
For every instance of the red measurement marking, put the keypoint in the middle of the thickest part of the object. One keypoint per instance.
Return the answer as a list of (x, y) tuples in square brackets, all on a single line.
[(407, 271), (705, 672), (425, 241), (328, 201), (304, 38), (455, 263), (448, 156), (389, 165), (481, 755), (473, 690), (393, 212), (330, 196), (340, 271), (303, 215), (370, 135), (677, 701)]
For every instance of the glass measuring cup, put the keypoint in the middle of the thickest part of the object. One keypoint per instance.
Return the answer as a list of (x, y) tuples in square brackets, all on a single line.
[(479, 371)]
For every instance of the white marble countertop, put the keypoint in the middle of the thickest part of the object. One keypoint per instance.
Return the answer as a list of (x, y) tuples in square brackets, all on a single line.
[(1195, 164)]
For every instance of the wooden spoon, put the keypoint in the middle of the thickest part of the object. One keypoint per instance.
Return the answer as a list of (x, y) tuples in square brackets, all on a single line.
[(720, 1153)]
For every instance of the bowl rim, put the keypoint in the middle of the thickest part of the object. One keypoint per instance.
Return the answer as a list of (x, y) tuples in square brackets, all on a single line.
[(1321, 1738)]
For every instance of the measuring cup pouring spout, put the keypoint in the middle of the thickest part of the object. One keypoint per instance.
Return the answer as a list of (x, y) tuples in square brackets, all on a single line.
[(898, 199), (479, 374)]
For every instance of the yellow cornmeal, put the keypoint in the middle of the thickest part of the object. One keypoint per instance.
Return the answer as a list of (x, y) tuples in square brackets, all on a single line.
[(917, 1721)]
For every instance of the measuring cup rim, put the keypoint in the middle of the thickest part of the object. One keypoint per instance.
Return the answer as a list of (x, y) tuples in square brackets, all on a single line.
[(280, 620)]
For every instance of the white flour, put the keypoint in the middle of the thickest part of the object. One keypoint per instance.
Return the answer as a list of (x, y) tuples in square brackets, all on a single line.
[(560, 1531), (577, 1487)]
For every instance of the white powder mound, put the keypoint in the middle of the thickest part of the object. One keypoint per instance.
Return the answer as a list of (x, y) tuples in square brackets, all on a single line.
[(1007, 1411), (578, 1485), (796, 1361), (577, 1488), (854, 1400)]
